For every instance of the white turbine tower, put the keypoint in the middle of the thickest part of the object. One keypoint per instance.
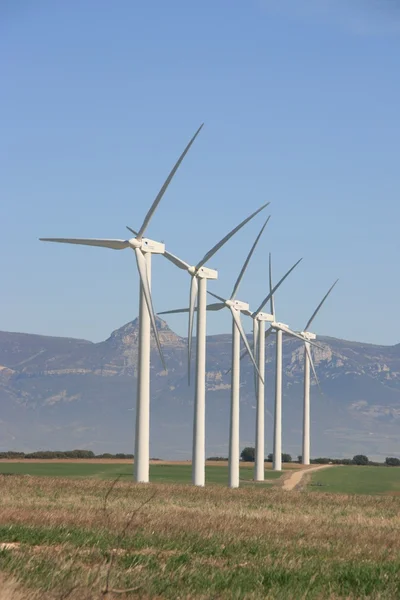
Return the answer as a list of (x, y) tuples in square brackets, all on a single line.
[(198, 289), (259, 319), (308, 361), (280, 329), (143, 248)]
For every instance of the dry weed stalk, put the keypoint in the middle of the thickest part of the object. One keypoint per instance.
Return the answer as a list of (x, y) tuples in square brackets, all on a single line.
[(107, 590), (9, 588)]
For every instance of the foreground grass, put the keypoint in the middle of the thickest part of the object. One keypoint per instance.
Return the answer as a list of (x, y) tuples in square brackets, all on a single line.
[(158, 473), (357, 480), (174, 541)]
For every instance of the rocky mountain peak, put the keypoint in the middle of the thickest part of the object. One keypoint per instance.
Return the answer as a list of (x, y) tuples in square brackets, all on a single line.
[(128, 334)]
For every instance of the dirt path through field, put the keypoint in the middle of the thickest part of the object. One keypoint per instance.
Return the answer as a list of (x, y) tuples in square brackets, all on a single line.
[(291, 482)]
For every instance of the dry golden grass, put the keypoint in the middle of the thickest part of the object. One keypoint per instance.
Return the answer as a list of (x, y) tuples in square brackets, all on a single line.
[(10, 589), (352, 521), (213, 531)]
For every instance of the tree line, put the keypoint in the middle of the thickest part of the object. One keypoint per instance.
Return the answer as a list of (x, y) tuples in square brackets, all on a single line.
[(248, 455), (46, 454)]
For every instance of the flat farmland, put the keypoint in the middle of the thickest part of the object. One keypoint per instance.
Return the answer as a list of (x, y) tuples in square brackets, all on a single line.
[(357, 480), (160, 471), (88, 538)]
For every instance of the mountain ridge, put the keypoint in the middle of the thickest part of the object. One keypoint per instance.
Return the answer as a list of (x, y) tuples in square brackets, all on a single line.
[(57, 391)]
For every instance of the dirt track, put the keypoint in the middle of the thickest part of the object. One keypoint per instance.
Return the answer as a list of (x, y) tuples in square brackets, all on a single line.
[(291, 482)]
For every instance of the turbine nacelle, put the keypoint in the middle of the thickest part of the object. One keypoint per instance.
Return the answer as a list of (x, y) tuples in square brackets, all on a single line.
[(204, 273), (147, 245), (238, 305), (261, 316), (308, 335), (281, 326)]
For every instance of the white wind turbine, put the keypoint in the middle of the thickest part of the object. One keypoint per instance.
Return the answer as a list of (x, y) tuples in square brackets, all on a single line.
[(198, 289), (143, 248), (280, 329), (307, 337), (236, 307), (259, 319)]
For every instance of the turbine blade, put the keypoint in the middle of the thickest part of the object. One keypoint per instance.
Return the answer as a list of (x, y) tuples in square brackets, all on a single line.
[(113, 244), (236, 318), (166, 184), (268, 332), (215, 248), (319, 306), (255, 338), (245, 351), (192, 305), (290, 332), (242, 355), (246, 262), (313, 368), (216, 306), (217, 297), (298, 336), (264, 302), (132, 230), (270, 287), (142, 268), (175, 311), (181, 264)]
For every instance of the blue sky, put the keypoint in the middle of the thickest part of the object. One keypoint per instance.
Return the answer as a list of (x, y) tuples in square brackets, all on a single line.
[(300, 101)]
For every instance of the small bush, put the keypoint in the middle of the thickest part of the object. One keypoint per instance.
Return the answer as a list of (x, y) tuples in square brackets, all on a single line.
[(391, 461), (248, 454)]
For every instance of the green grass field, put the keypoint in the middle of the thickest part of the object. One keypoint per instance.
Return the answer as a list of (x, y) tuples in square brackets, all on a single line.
[(158, 473), (356, 480)]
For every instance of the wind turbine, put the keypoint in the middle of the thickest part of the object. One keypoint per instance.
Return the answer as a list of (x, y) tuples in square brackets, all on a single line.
[(280, 329), (236, 307), (259, 319), (143, 248), (308, 361), (198, 289)]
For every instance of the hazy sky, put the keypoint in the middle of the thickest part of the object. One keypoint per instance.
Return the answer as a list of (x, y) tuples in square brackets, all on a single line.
[(300, 101)]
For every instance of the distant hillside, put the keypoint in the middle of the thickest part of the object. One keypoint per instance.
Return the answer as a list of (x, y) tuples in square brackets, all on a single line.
[(62, 392)]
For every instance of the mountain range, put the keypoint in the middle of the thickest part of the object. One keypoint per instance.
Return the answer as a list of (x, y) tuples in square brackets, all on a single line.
[(64, 393)]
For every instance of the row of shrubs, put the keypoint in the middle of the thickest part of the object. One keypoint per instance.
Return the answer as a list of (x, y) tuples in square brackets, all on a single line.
[(359, 459), (46, 454), (248, 455)]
